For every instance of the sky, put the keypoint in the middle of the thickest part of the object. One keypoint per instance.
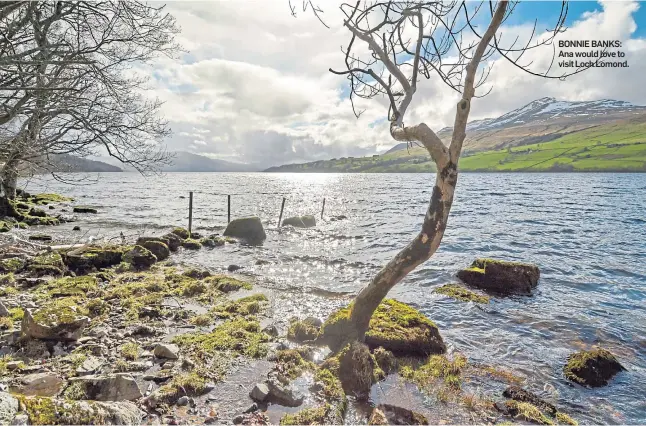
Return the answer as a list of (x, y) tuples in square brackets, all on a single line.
[(253, 85)]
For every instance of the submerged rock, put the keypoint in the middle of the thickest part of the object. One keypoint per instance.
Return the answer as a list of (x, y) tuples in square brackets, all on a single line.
[(456, 291), (501, 277), (60, 319), (246, 228), (109, 387), (592, 368), (386, 414), (38, 384), (284, 395), (395, 326), (307, 221), (84, 209)]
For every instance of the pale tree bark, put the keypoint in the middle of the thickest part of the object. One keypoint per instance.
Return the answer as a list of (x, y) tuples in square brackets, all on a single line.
[(426, 243)]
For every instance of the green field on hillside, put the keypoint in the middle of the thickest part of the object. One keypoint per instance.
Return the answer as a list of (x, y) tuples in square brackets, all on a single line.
[(603, 148)]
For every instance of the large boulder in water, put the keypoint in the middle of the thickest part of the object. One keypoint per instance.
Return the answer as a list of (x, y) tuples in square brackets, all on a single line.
[(592, 368), (395, 326), (61, 319), (246, 228), (501, 277), (307, 221)]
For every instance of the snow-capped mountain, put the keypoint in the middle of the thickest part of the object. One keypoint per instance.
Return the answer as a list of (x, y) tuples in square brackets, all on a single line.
[(547, 109)]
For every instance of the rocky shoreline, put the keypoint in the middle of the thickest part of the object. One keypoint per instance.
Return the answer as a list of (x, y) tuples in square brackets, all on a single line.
[(124, 334)]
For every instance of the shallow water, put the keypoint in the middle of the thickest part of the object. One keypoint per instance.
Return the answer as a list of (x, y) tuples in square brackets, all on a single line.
[(587, 232)]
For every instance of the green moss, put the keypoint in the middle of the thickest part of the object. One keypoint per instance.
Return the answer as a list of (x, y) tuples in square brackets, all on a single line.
[(385, 359), (239, 336), (331, 385), (181, 232), (192, 288), (308, 416), (82, 286), (41, 410), (6, 323), (47, 198), (52, 258), (47, 411), (75, 391), (528, 412), (16, 313), (13, 264), (564, 419), (60, 311), (97, 307), (302, 330), (189, 384), (245, 306), (8, 280), (458, 292), (227, 284), (437, 367), (291, 363), (201, 320), (130, 351), (191, 244)]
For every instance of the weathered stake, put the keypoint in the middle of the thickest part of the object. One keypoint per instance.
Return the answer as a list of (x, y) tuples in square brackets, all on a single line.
[(190, 212), (228, 208), (280, 218), (323, 208)]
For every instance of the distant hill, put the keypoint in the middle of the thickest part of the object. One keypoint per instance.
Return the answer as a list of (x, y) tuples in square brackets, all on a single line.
[(544, 135), (65, 163), (187, 162)]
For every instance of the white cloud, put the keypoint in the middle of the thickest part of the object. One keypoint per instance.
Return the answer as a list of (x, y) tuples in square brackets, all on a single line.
[(255, 85)]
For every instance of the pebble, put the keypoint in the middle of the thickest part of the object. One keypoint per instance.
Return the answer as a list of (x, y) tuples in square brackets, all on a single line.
[(184, 400)]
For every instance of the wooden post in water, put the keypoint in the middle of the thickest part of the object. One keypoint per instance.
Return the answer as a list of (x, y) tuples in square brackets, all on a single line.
[(323, 208), (228, 208), (280, 218), (190, 212)]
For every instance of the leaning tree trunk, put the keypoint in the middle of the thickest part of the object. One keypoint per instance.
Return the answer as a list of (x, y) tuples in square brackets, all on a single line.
[(446, 159), (9, 177), (417, 251)]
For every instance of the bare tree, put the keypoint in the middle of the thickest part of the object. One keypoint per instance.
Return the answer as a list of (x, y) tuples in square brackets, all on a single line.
[(408, 41), (68, 83)]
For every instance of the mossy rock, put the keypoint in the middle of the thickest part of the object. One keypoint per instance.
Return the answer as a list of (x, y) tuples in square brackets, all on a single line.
[(501, 277), (593, 368), (82, 286), (312, 416), (249, 229), (158, 248), (61, 319), (181, 233), (49, 263), (191, 244), (458, 292), (395, 326), (303, 330), (519, 394), (95, 257), (212, 242), (12, 265), (524, 411), (172, 241), (48, 198), (356, 369), (385, 360), (50, 411), (227, 284)]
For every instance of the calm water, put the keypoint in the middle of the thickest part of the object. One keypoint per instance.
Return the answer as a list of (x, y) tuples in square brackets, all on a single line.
[(587, 232)]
